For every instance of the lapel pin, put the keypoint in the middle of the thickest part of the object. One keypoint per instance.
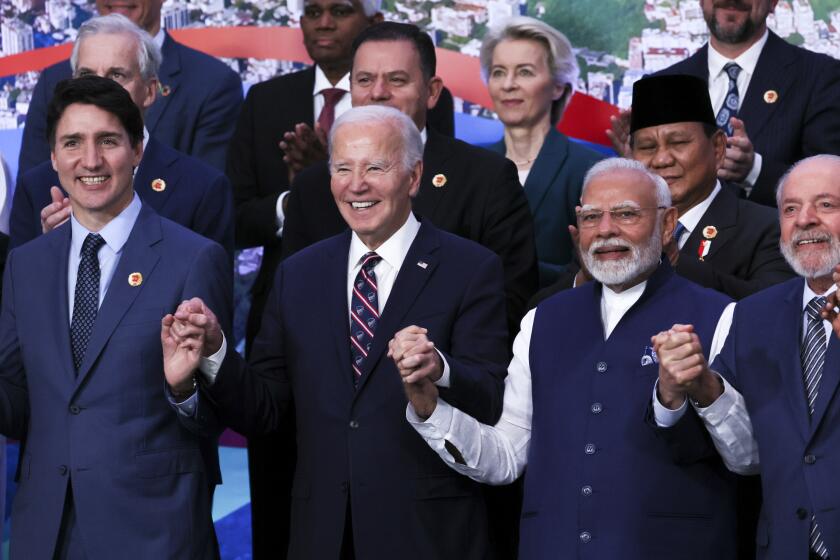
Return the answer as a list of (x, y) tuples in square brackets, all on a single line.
[(422, 264), (709, 232), (770, 96), (439, 180), (135, 279), (158, 185), (164, 90), (703, 249)]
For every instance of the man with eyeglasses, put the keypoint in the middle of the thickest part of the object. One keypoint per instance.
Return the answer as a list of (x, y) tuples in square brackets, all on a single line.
[(600, 482)]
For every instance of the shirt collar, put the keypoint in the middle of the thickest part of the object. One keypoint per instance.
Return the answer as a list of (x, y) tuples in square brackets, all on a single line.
[(322, 83), (393, 251), (747, 60), (115, 233), (808, 294), (626, 298), (692, 217)]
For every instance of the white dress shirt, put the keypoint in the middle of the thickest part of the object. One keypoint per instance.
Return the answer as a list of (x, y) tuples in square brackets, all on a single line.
[(719, 85), (498, 454), (691, 218)]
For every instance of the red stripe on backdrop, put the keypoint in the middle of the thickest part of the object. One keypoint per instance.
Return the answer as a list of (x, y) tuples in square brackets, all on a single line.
[(586, 118)]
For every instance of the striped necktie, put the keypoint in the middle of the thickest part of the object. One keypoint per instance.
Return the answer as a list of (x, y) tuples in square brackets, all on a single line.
[(364, 313)]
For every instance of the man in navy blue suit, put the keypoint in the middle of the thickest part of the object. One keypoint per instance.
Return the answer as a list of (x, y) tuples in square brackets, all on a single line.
[(176, 186), (344, 318), (114, 460), (200, 96), (779, 417), (599, 483)]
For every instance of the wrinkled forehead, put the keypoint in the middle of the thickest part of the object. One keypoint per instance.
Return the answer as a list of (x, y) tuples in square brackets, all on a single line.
[(811, 181)]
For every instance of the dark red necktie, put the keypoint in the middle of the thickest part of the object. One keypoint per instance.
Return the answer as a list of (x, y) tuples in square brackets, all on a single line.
[(331, 98)]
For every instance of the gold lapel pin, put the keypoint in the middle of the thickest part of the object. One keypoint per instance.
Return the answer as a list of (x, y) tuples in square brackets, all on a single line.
[(135, 279), (158, 185), (771, 96), (164, 90), (710, 232), (439, 180)]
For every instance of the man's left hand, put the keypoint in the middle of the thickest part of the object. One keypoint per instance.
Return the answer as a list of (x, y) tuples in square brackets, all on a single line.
[(740, 154), (419, 365)]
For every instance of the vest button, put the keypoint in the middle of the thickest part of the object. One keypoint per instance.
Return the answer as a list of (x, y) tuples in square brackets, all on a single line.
[(354, 424), (801, 513), (586, 490), (589, 449), (810, 459), (596, 408), (601, 367), (585, 537)]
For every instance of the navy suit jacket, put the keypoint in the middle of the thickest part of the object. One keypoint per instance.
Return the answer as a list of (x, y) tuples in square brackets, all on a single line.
[(802, 122), (195, 117), (142, 474), (800, 454), (355, 444), (196, 196), (553, 190)]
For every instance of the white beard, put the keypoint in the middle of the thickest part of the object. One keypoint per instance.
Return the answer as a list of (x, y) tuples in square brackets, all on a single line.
[(621, 271), (826, 262)]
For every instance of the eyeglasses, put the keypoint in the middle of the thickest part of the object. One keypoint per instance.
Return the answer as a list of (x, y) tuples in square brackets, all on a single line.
[(625, 216)]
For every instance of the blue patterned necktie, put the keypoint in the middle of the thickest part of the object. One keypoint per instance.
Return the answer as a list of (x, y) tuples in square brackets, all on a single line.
[(86, 301), (678, 232), (364, 313), (813, 358), (729, 108)]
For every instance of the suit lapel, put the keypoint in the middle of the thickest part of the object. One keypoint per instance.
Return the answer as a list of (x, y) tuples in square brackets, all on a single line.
[(58, 285), (551, 158), (697, 65), (788, 345), (828, 383), (338, 306), (722, 214), (770, 74), (409, 283), (435, 155), (153, 167), (170, 79), (138, 255)]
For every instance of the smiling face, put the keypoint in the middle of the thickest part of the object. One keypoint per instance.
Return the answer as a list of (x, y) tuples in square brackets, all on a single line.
[(370, 185), (684, 156), (114, 56), (144, 13), (520, 83), (809, 215), (737, 21), (95, 160)]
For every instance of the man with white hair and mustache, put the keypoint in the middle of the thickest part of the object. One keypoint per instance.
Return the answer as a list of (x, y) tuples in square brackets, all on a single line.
[(599, 481), (784, 369)]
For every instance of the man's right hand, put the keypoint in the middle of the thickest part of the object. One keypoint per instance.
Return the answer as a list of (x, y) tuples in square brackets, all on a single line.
[(683, 371), (619, 133), (193, 318), (56, 212)]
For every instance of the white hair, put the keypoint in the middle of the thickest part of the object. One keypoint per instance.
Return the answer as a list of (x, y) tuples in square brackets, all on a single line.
[(412, 142), (824, 158), (562, 62), (663, 194), (148, 53)]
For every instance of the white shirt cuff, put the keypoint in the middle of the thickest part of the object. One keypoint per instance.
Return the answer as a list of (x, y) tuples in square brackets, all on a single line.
[(752, 176), (281, 216), (436, 425), (210, 366), (717, 412), (444, 377), (665, 417)]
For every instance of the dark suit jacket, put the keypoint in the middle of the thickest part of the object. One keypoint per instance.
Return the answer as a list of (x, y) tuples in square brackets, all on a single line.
[(803, 121), (141, 473), (194, 118), (481, 200), (553, 190), (744, 256), (196, 196), (356, 451), (799, 452)]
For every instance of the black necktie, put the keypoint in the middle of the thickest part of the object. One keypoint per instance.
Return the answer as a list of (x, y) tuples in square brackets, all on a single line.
[(86, 301)]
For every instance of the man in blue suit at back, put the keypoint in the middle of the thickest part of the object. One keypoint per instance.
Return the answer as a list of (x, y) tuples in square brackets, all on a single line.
[(393, 293), (115, 461), (199, 102), (175, 185)]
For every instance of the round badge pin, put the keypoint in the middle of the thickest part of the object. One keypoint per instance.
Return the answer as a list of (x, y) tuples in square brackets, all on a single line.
[(439, 180), (770, 96), (710, 232), (158, 185), (135, 279), (165, 90)]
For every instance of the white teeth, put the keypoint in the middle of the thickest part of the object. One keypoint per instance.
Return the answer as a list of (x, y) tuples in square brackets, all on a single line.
[(360, 205), (93, 180), (808, 241)]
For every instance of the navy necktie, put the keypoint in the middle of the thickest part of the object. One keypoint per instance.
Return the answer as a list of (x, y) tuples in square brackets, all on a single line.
[(86, 301), (729, 108), (678, 231), (364, 313)]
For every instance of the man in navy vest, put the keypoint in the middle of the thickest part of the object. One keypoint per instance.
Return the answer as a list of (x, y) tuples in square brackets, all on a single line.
[(782, 359), (600, 483)]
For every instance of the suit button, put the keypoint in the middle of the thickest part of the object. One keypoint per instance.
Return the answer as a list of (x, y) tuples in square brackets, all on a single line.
[(601, 367), (585, 537), (62, 470), (586, 490), (75, 409), (354, 424), (589, 449), (810, 459), (596, 408), (801, 513)]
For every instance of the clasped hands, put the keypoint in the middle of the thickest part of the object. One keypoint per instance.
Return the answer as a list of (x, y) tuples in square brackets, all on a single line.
[(190, 333), (419, 366), (683, 371)]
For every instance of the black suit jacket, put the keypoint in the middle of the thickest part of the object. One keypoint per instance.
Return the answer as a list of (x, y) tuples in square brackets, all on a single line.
[(481, 200), (744, 255), (803, 121)]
